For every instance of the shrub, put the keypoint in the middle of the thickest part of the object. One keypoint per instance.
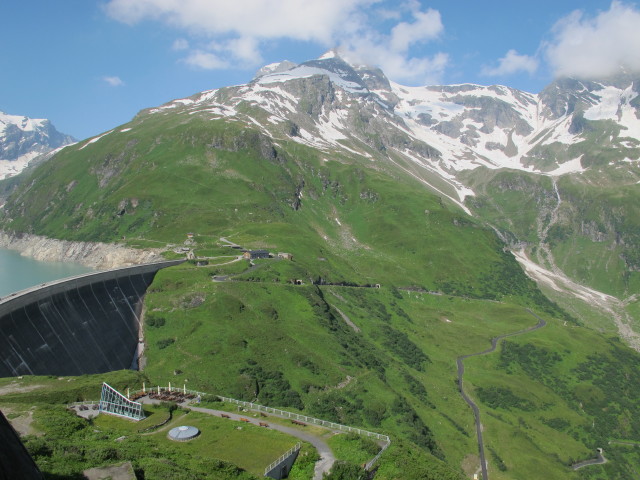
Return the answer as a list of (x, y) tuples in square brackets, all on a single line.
[(346, 471), (164, 343), (153, 321)]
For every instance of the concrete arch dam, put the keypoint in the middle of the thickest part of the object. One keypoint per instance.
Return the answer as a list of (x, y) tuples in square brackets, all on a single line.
[(81, 325)]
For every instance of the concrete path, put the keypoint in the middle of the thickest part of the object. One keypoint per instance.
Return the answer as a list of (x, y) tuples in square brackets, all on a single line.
[(476, 411)]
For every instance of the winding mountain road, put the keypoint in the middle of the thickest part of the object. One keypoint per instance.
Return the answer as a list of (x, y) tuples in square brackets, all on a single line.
[(599, 460), (476, 411)]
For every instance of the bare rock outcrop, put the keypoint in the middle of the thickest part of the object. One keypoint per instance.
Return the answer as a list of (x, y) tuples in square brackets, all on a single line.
[(94, 255)]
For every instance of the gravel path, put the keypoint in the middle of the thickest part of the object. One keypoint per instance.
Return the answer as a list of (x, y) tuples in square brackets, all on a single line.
[(347, 320)]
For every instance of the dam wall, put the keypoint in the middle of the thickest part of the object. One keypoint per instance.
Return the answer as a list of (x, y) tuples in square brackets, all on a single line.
[(81, 325)]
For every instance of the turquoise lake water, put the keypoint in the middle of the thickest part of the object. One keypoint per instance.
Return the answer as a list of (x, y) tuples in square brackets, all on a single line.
[(18, 273)]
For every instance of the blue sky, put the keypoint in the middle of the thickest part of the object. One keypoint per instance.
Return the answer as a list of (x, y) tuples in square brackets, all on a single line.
[(91, 65)]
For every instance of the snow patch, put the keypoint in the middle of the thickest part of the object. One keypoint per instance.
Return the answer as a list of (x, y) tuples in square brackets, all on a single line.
[(329, 54), (607, 108), (95, 139), (559, 133), (273, 99), (306, 71), (561, 283), (572, 166), (9, 168), (162, 108)]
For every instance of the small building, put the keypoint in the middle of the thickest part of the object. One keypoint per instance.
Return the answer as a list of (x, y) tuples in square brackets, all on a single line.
[(253, 254), (285, 256), (183, 433), (190, 235)]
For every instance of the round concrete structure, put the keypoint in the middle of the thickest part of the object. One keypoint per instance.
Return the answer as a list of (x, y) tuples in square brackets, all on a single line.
[(183, 433)]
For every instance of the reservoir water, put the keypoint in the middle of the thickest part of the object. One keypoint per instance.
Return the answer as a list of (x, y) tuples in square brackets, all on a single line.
[(18, 273)]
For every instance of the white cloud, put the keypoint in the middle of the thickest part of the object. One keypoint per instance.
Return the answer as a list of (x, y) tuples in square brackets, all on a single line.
[(396, 65), (596, 46), (391, 52), (205, 60), (113, 81), (180, 44), (427, 26), (244, 49), (297, 19), (511, 63), (234, 31)]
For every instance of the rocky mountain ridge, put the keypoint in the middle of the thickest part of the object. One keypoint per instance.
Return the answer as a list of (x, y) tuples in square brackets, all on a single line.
[(439, 131), (365, 184), (554, 173), (22, 139)]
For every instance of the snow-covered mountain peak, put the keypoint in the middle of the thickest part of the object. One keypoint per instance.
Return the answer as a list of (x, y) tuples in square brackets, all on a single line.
[(339, 72), (332, 53), (439, 131), (25, 124), (23, 138), (275, 68)]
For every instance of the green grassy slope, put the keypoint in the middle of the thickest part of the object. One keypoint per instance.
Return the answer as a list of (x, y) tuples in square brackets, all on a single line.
[(347, 221), (290, 346), (593, 235), (64, 445), (343, 220)]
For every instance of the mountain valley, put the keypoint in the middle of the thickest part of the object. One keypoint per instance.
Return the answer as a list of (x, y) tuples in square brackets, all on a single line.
[(422, 222)]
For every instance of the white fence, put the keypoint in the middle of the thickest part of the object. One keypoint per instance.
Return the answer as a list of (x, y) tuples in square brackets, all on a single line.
[(305, 418), (281, 413), (282, 458), (372, 462)]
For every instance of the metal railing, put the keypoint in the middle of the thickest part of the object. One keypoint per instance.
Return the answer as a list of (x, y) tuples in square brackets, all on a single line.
[(282, 413), (305, 418), (282, 458), (372, 462)]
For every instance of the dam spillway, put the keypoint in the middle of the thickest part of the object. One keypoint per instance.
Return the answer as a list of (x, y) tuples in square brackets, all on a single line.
[(81, 325)]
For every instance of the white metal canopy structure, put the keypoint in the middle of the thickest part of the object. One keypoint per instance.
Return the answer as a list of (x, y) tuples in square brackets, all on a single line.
[(114, 403)]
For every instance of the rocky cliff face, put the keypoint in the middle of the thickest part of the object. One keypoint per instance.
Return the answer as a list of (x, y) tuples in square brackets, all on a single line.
[(101, 256)]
